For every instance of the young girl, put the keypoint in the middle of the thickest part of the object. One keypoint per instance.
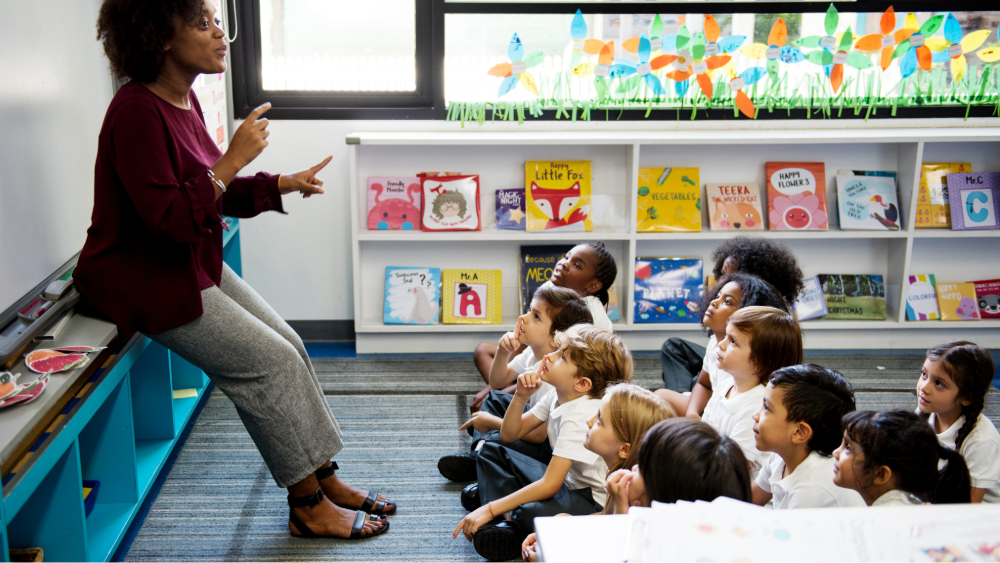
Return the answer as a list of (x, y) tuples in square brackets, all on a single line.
[(757, 341), (951, 393), (589, 269), (756, 256), (627, 412), (892, 458)]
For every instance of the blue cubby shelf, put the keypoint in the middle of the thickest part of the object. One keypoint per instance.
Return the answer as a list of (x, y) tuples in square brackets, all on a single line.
[(120, 430)]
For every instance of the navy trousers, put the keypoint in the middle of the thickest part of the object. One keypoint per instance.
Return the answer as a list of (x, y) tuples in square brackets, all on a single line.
[(681, 361)]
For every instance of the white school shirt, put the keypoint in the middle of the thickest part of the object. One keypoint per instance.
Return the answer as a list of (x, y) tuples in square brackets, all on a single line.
[(809, 486), (597, 311), (567, 430), (897, 497), (525, 362), (981, 450)]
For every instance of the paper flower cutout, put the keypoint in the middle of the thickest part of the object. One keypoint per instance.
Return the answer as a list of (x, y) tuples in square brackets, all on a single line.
[(748, 77), (602, 70), (958, 46), (797, 212), (990, 55), (886, 41), (915, 45), (694, 63), (655, 39), (856, 60), (776, 51), (645, 68), (826, 43), (517, 70)]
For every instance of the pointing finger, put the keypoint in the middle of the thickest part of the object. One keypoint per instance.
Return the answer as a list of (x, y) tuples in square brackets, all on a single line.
[(258, 111), (321, 165)]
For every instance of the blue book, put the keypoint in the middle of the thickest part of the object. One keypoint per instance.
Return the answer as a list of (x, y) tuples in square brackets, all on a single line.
[(668, 290), (811, 303), (510, 209), (412, 296)]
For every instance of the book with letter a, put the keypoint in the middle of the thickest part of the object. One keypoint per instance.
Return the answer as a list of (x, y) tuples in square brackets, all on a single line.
[(471, 297)]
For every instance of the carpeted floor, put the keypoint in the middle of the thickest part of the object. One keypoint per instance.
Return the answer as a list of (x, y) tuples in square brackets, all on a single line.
[(399, 415)]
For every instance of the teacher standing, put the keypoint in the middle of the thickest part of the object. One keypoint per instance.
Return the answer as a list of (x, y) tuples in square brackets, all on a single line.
[(153, 256)]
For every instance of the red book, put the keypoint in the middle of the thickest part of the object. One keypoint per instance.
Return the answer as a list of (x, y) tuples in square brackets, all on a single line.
[(988, 298), (796, 196)]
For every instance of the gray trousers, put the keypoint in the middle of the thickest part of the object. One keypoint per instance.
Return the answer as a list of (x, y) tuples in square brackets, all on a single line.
[(258, 361)]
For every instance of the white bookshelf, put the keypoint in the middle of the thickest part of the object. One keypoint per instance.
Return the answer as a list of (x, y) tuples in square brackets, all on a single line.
[(722, 155)]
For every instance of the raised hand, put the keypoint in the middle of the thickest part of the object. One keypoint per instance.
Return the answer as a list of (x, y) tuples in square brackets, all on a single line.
[(529, 382), (511, 341), (250, 137), (304, 181)]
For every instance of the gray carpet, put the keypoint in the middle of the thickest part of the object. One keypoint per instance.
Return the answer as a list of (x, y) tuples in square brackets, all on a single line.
[(399, 415)]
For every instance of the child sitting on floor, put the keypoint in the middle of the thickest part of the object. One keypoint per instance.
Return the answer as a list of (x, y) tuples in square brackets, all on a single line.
[(553, 309), (767, 259), (892, 457), (800, 422), (755, 343), (951, 393), (513, 488), (590, 270)]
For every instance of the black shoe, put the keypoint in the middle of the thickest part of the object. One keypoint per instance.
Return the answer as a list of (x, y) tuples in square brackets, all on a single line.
[(460, 468), (470, 497), (498, 541)]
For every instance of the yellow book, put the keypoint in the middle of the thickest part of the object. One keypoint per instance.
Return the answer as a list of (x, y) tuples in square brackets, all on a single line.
[(557, 195), (669, 200), (471, 297), (933, 210), (957, 301)]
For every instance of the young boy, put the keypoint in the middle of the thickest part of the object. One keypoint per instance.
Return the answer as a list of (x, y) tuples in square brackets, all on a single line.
[(514, 489), (553, 309), (800, 422)]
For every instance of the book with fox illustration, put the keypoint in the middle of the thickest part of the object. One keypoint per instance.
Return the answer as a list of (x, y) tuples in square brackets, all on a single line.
[(557, 195), (669, 200)]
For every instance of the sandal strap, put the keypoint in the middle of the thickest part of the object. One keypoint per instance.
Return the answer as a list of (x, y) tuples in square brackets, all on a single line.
[(325, 472), (303, 529), (369, 503), (359, 524), (311, 500)]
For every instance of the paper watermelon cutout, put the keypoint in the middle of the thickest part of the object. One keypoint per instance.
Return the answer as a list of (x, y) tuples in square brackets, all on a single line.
[(8, 384), (78, 349), (50, 361), (25, 393)]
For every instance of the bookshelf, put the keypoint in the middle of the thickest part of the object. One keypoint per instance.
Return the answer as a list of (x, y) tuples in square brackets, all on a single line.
[(723, 155)]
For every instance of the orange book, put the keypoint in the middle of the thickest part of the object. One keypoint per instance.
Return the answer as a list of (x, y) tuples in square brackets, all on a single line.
[(796, 196)]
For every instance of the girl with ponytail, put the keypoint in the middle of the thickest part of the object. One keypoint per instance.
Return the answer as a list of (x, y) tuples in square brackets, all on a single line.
[(951, 394), (892, 458)]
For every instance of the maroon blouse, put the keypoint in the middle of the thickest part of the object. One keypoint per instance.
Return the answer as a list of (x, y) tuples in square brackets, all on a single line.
[(155, 239)]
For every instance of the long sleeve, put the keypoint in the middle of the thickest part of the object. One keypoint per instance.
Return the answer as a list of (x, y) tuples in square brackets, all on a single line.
[(249, 196)]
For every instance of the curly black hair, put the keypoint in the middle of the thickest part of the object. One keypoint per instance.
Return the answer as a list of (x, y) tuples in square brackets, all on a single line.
[(135, 33), (767, 259), (755, 292)]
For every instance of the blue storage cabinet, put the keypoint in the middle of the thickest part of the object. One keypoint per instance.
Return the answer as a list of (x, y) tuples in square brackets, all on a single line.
[(120, 433)]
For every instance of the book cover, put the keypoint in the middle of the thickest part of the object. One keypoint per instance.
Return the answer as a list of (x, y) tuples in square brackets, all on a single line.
[(933, 207), (510, 209), (734, 207), (851, 297), (868, 202), (394, 203), (669, 200), (957, 301), (411, 296), (796, 196), (535, 268), (557, 195), (614, 313), (451, 203), (921, 299), (471, 297), (974, 200), (668, 290), (988, 297), (811, 304)]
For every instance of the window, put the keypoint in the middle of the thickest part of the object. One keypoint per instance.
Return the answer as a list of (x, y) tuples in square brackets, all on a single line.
[(729, 65)]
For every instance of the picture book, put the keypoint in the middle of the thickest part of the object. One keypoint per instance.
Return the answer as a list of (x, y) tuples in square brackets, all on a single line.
[(451, 203), (796, 196), (471, 297), (933, 207), (921, 299), (535, 268), (735, 207), (957, 301), (411, 296), (868, 203), (669, 200), (557, 195), (851, 297), (393, 203), (974, 200), (988, 297), (614, 313), (811, 304), (510, 209), (668, 290)]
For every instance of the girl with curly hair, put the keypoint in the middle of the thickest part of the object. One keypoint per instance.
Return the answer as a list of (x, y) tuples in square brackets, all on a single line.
[(153, 257)]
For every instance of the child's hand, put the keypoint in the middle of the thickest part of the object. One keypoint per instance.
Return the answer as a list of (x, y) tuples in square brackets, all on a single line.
[(472, 522), (483, 422), (528, 383), (617, 485), (528, 548), (510, 342)]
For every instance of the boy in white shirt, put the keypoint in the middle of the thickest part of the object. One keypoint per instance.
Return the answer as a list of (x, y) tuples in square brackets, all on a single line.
[(513, 489), (800, 422), (553, 309)]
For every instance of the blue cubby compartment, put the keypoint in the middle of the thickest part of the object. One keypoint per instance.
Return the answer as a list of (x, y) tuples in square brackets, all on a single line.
[(231, 247), (185, 375), (107, 455), (52, 518), (5, 554), (152, 413)]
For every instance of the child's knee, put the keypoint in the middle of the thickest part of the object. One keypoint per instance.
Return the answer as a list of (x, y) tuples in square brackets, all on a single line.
[(482, 351)]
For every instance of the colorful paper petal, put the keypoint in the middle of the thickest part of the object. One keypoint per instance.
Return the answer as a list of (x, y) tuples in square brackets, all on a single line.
[(859, 61), (810, 42), (990, 55), (871, 42), (754, 51), (746, 106), (662, 61), (753, 75), (631, 44), (911, 22), (791, 55), (952, 29), (888, 21), (683, 38), (584, 69), (515, 51), (924, 57), (972, 41), (668, 43), (679, 75), (903, 34), (601, 86), (837, 77), (620, 71), (901, 49), (534, 59), (821, 58), (698, 46), (656, 28), (528, 81), (831, 20), (644, 49), (940, 57), (593, 46), (958, 66), (937, 43), (607, 54), (886, 59), (931, 26), (731, 43), (779, 32), (711, 28), (507, 85), (501, 70), (846, 39), (717, 61), (706, 85), (772, 69), (625, 62), (654, 84), (578, 29), (681, 87)]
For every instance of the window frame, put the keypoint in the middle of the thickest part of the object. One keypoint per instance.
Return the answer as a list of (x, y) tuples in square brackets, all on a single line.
[(428, 102)]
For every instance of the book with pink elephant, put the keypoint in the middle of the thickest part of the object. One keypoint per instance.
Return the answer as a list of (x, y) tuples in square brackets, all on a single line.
[(796, 196)]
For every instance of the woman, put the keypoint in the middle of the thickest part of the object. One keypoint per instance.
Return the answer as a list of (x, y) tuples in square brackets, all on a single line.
[(153, 256)]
